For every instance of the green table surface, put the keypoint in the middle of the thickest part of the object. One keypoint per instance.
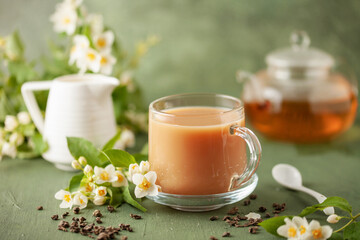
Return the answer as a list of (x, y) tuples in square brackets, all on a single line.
[(330, 168)]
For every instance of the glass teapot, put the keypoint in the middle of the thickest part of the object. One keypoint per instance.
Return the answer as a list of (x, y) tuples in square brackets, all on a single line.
[(299, 97)]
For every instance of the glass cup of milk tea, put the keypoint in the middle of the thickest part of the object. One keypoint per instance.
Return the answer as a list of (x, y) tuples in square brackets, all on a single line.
[(197, 147)]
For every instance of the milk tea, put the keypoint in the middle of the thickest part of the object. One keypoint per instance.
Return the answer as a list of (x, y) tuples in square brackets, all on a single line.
[(192, 151)]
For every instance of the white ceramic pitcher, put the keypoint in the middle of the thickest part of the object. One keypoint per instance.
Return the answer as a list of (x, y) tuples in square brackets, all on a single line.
[(77, 106)]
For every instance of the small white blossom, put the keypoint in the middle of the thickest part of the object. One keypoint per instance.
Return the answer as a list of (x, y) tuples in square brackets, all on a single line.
[(11, 123), (88, 188), (333, 218), (145, 184), (133, 169), (96, 23), (127, 139), (121, 181), (24, 118), (16, 139), (9, 149), (317, 232), (100, 191), (104, 41), (92, 61), (107, 62), (289, 230), (144, 167), (253, 215), (105, 175), (126, 79), (77, 53), (66, 198), (65, 18), (81, 200), (99, 200)]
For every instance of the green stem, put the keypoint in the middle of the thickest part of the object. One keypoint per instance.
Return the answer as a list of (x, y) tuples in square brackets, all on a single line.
[(353, 219)]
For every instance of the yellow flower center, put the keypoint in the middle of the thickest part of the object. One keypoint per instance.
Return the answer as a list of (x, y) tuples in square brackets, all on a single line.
[(292, 232), (73, 49), (67, 20), (81, 201), (145, 184), (67, 198), (104, 176), (101, 42), (317, 234), (133, 167), (103, 60), (302, 230), (88, 188), (120, 178), (91, 56), (101, 192)]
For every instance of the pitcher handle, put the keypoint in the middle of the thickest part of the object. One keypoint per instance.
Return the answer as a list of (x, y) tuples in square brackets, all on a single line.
[(27, 90), (255, 154)]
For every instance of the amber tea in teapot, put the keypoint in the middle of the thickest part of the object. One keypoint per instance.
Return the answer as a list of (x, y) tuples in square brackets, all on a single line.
[(298, 98)]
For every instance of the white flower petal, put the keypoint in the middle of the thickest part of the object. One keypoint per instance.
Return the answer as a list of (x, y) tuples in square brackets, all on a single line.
[(60, 194), (110, 169), (326, 231), (137, 178), (144, 167), (153, 190), (99, 200), (139, 193), (97, 170), (151, 177)]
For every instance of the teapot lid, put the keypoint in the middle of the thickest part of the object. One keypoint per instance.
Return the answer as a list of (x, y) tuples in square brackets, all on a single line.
[(300, 54)]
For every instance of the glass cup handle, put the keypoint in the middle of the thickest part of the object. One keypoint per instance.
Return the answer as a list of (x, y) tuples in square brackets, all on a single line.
[(255, 154)]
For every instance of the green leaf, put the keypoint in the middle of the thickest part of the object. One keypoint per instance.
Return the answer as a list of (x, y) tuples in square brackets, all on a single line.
[(22, 71), (116, 196), (14, 48), (118, 158), (352, 232), (272, 224), (145, 149), (140, 157), (336, 236), (75, 182), (110, 144), (81, 147), (130, 200), (40, 146), (329, 202)]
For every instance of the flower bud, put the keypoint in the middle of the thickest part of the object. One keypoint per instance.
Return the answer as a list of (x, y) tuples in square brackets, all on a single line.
[(9, 150), (16, 139), (24, 118), (11, 123), (88, 170), (76, 165), (82, 161), (99, 200), (333, 218)]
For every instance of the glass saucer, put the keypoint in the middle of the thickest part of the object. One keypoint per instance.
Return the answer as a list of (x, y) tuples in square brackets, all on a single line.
[(201, 203)]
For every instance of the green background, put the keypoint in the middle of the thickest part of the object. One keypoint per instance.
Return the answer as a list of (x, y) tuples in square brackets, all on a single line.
[(203, 44)]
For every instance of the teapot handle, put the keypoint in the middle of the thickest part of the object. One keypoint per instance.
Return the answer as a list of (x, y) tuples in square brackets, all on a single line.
[(27, 90)]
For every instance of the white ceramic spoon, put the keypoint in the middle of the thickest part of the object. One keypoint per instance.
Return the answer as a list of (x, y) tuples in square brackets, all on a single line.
[(290, 177)]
